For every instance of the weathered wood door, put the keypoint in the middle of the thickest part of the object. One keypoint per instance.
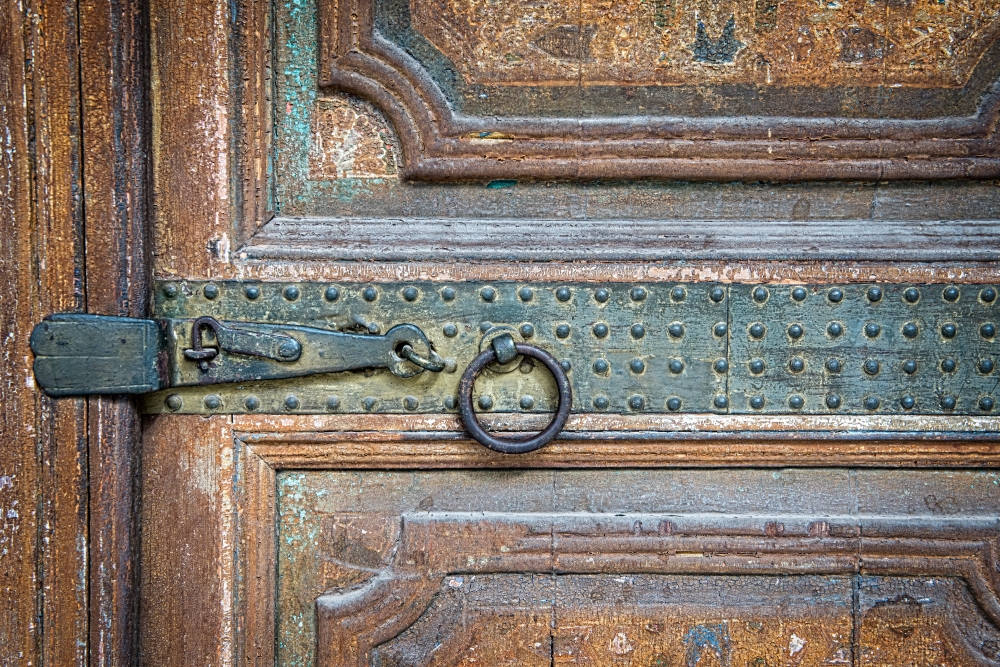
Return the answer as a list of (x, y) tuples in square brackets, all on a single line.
[(761, 239)]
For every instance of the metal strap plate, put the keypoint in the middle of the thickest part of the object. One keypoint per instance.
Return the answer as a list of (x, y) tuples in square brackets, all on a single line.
[(652, 348)]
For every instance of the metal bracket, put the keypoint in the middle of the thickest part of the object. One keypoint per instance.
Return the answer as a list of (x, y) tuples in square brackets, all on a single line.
[(79, 354), (852, 349)]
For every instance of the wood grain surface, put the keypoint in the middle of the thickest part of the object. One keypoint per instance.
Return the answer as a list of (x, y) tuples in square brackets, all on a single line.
[(74, 173)]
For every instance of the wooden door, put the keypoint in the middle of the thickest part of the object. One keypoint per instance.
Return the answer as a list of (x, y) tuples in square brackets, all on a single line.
[(761, 240)]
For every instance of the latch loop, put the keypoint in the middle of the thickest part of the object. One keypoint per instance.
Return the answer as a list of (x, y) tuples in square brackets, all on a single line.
[(275, 346)]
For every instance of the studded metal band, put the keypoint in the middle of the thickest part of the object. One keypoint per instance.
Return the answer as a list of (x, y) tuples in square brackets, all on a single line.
[(651, 348)]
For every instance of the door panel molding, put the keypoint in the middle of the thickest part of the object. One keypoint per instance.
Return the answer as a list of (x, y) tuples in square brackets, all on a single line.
[(367, 49), (434, 547)]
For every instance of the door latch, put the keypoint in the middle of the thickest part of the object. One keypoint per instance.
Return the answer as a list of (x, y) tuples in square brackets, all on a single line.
[(77, 354)]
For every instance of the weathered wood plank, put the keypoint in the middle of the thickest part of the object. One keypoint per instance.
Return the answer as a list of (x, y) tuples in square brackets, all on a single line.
[(43, 465), (115, 164)]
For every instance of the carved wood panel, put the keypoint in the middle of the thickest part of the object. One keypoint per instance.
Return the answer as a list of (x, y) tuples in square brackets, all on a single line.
[(675, 88), (659, 567)]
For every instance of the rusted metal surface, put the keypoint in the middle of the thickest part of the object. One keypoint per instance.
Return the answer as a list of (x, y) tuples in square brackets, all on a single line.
[(647, 347), (857, 90)]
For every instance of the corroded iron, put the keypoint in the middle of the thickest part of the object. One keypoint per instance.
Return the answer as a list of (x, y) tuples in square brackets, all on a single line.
[(852, 349), (79, 354)]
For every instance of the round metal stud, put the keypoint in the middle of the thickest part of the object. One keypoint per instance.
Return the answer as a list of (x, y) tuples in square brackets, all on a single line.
[(872, 330), (833, 365), (636, 402), (527, 402), (450, 330), (836, 295), (448, 294), (911, 330), (759, 294), (331, 294), (210, 291), (949, 329), (566, 365), (949, 365), (721, 402), (411, 293), (907, 402), (909, 366), (369, 403), (950, 294), (757, 402), (562, 331), (601, 295), (835, 329), (251, 403), (721, 366), (638, 293), (988, 330), (986, 404), (673, 404), (289, 349), (526, 366), (757, 366), (637, 331), (525, 294), (170, 290), (563, 294), (911, 294), (601, 402), (757, 330), (292, 402), (948, 402), (676, 330), (212, 402), (874, 294), (678, 294), (795, 331), (291, 293), (799, 294), (676, 366), (720, 329), (872, 402), (796, 365), (527, 330), (450, 402), (795, 402), (332, 402), (637, 366), (411, 402), (717, 294), (485, 402), (601, 366), (833, 401), (174, 402), (601, 330), (485, 326), (872, 366), (988, 295), (251, 292), (986, 366), (488, 294), (369, 293)]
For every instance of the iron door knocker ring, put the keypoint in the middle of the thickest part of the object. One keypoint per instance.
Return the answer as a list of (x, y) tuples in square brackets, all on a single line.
[(505, 347)]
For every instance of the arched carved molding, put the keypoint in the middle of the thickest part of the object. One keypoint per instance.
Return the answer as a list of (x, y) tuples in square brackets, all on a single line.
[(889, 561), (442, 140)]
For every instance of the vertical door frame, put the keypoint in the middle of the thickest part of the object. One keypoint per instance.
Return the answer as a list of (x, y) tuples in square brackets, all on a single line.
[(73, 237)]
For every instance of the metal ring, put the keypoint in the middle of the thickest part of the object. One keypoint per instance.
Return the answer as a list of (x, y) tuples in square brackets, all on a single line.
[(514, 445), (435, 364)]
